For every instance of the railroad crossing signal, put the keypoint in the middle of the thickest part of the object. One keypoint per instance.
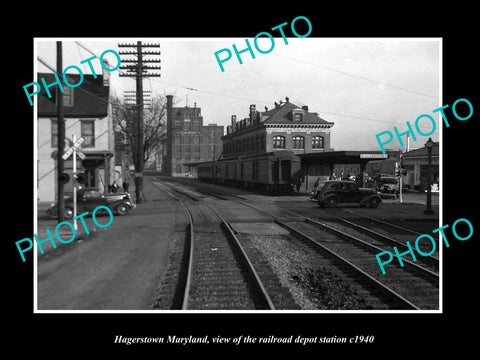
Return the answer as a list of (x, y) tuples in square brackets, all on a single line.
[(74, 147)]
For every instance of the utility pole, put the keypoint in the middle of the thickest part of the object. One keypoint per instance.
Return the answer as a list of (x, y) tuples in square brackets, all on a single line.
[(60, 140), (138, 70)]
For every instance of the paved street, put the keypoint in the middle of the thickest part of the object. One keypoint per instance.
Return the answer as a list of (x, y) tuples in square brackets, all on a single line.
[(117, 268), (420, 198)]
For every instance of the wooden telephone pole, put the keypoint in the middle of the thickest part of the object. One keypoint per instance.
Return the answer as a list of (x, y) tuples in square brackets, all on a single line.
[(136, 68), (60, 140)]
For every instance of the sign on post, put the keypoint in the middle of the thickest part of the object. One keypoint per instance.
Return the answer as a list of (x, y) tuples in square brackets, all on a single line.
[(74, 149)]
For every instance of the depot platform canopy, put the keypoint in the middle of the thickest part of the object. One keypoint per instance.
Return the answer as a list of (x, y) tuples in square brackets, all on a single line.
[(330, 158), (342, 157)]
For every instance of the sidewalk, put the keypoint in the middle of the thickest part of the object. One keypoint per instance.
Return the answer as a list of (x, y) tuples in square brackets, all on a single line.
[(46, 221)]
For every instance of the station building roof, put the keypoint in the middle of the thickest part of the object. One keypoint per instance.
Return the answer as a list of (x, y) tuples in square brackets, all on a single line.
[(283, 114)]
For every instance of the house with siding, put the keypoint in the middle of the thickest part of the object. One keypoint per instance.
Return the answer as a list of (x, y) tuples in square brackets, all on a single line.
[(87, 114)]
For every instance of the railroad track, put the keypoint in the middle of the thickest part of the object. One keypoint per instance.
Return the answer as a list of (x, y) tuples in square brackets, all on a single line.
[(220, 275), (377, 238), (415, 286), (412, 287), (399, 234)]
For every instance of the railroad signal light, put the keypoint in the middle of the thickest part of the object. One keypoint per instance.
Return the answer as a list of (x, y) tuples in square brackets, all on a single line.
[(81, 178), (63, 178)]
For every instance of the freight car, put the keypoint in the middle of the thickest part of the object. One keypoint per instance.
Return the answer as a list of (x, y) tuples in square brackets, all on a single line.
[(273, 172)]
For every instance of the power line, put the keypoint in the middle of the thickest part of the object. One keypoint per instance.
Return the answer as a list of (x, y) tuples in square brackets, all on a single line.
[(269, 102), (358, 77), (257, 100)]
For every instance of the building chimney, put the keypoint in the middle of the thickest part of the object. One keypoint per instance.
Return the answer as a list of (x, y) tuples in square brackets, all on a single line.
[(167, 166), (305, 107), (252, 113), (234, 121)]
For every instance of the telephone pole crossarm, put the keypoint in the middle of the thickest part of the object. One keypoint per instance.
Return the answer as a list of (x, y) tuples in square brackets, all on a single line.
[(136, 68)]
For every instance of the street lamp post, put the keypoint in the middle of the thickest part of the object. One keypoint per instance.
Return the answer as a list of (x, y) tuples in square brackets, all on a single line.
[(429, 210)]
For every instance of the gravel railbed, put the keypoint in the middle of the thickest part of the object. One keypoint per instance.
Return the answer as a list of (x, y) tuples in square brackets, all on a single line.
[(218, 278), (312, 281), (422, 292)]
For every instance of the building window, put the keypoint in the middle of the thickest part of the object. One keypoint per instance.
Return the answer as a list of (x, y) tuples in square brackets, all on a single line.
[(67, 96), (298, 142), (177, 123), (279, 142), (317, 142), (88, 133), (297, 117), (54, 127), (196, 125)]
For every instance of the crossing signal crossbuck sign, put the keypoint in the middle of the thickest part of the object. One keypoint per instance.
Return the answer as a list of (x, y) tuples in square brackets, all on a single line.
[(74, 147)]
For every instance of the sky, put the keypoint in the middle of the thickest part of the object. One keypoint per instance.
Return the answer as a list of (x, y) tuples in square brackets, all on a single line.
[(363, 85)]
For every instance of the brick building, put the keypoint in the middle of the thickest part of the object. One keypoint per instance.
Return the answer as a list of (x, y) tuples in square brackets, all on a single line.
[(285, 127), (191, 140)]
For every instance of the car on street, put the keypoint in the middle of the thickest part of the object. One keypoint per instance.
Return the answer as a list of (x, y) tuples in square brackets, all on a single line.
[(90, 198), (331, 193), (388, 185)]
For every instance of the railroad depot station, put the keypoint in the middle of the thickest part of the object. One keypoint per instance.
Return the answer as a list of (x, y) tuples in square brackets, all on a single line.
[(293, 128)]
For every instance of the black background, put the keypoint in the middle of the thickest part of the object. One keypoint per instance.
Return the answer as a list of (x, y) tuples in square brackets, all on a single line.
[(59, 335)]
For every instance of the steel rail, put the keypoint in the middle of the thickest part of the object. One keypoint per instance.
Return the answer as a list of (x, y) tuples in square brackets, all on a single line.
[(385, 289), (430, 260), (188, 281), (419, 269), (250, 267), (246, 259), (188, 278), (383, 222)]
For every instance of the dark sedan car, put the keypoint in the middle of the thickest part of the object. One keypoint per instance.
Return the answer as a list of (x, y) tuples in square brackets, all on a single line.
[(331, 193), (90, 198)]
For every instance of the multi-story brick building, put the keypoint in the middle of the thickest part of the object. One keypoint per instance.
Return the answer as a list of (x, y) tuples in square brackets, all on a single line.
[(285, 127), (191, 140)]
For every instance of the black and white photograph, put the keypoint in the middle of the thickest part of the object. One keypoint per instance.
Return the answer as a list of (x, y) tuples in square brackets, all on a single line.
[(248, 183), (256, 188)]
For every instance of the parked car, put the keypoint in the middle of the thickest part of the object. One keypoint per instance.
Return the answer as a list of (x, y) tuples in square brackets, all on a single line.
[(331, 193), (90, 198), (388, 185)]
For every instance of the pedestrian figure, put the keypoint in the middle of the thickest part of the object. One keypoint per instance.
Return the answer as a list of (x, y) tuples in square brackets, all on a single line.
[(298, 184), (114, 187), (125, 185), (315, 184)]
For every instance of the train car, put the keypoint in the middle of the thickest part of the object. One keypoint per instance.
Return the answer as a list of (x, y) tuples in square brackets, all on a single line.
[(274, 172), (205, 170)]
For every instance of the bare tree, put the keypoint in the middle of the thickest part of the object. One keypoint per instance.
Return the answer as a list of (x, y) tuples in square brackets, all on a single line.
[(154, 119)]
